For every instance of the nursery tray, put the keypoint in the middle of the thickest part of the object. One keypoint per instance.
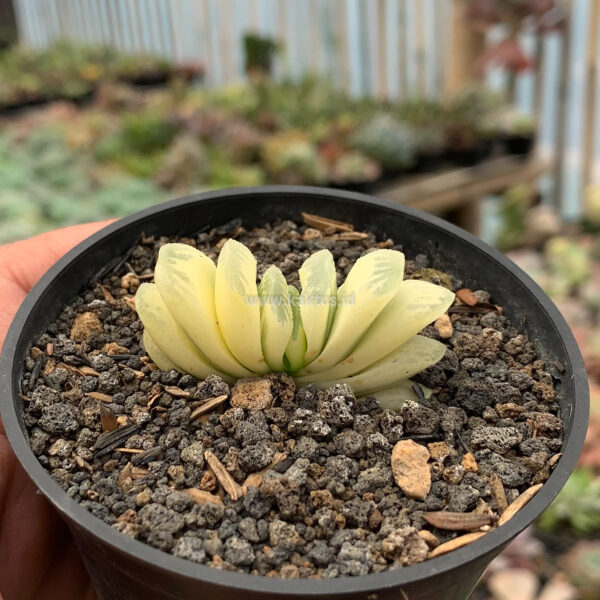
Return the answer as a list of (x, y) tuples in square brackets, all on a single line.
[(461, 189)]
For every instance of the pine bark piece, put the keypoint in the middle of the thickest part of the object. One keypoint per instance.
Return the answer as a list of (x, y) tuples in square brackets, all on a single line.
[(456, 543), (208, 406), (498, 493), (519, 503), (202, 497), (410, 469), (108, 419), (325, 224), (106, 442), (125, 474), (99, 396), (222, 474), (467, 297), (453, 521), (177, 392)]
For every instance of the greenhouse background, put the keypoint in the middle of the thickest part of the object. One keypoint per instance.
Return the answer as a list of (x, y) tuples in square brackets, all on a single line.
[(384, 48), (488, 119)]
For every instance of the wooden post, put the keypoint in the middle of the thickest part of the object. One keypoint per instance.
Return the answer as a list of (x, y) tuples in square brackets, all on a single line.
[(592, 79), (466, 46), (561, 116), (8, 23)]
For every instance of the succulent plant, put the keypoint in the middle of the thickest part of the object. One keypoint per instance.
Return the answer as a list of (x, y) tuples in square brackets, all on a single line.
[(291, 158), (578, 505), (387, 140), (203, 318)]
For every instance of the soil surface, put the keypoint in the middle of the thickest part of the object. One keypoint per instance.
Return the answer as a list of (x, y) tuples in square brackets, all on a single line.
[(272, 480)]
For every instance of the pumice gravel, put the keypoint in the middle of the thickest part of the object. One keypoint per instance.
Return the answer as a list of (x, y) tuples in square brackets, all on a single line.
[(268, 479)]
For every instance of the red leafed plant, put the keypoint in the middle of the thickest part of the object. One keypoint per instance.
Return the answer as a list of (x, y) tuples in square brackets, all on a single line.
[(515, 15)]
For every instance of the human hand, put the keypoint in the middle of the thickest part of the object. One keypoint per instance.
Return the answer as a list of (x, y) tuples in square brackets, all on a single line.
[(38, 558)]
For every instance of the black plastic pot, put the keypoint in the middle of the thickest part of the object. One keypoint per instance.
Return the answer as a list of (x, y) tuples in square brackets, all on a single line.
[(519, 144), (122, 568)]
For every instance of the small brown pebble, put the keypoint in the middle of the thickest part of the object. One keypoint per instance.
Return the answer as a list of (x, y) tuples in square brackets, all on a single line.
[(510, 410), (410, 469), (456, 543), (430, 539), (125, 475), (519, 503), (143, 497), (252, 393), (123, 420), (466, 296), (176, 472), (320, 498), (85, 325), (130, 281), (82, 464), (128, 516), (49, 348), (203, 497), (404, 546), (440, 451), (311, 234), (444, 327), (208, 482), (469, 463), (453, 521), (114, 348), (375, 520), (110, 465)]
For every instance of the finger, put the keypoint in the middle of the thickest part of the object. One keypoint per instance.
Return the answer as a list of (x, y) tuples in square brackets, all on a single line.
[(66, 577), (27, 260), (31, 530), (23, 263)]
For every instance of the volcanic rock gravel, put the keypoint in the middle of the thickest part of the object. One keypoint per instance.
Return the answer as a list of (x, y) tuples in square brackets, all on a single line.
[(312, 469)]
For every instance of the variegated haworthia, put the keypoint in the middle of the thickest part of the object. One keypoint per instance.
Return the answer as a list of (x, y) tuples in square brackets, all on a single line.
[(203, 318)]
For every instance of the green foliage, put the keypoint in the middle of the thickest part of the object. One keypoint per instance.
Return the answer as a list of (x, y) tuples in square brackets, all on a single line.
[(387, 140), (259, 52), (577, 505), (513, 212), (569, 261), (45, 184), (66, 70)]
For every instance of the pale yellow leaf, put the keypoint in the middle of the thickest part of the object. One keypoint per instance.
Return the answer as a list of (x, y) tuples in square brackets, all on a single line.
[(276, 320), (237, 305), (186, 281), (170, 338)]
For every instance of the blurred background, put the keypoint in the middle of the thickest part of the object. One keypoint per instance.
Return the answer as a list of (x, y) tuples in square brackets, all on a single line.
[(486, 112)]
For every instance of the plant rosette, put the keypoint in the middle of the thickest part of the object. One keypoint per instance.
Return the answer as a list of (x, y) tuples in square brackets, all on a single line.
[(194, 403)]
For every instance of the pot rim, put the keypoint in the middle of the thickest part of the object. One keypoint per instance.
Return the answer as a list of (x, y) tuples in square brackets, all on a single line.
[(170, 564)]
